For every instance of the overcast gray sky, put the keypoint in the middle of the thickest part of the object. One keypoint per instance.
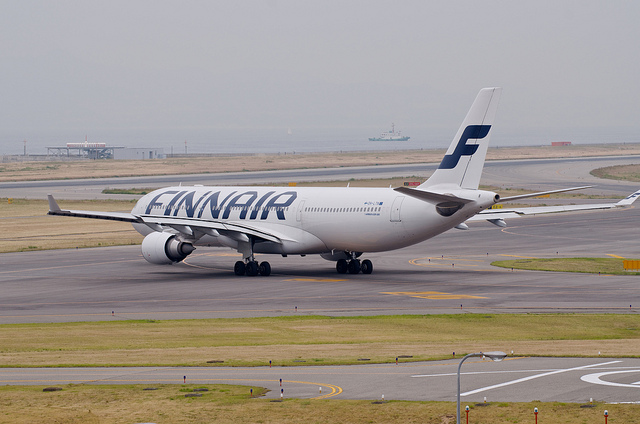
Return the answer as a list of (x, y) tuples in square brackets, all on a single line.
[(92, 65)]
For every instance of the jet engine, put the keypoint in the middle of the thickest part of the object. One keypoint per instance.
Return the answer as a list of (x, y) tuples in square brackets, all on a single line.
[(165, 248)]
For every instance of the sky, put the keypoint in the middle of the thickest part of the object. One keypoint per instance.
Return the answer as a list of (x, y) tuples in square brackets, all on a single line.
[(569, 69)]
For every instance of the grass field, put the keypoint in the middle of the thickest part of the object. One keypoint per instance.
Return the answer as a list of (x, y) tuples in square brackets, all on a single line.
[(26, 226), (316, 340), (587, 265), (95, 404)]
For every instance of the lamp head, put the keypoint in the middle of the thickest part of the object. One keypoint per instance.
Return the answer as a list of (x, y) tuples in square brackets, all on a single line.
[(495, 356)]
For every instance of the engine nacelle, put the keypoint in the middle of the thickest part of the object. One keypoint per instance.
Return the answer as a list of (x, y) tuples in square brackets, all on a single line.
[(165, 248)]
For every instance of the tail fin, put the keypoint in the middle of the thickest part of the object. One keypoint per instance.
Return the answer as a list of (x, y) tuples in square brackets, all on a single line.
[(464, 160)]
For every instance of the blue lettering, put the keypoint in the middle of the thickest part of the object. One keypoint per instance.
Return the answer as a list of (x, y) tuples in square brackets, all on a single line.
[(187, 201), (253, 195), (167, 211), (254, 212), (154, 202), (279, 206), (213, 204)]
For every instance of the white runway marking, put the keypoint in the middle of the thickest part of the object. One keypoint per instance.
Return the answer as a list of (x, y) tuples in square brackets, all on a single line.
[(595, 379), (531, 377)]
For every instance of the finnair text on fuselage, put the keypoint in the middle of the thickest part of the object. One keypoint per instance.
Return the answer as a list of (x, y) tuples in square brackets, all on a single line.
[(250, 203)]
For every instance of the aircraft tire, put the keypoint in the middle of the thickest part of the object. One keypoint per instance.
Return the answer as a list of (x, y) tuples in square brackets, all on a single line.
[(342, 266), (252, 269), (239, 268), (354, 266), (265, 269), (366, 267)]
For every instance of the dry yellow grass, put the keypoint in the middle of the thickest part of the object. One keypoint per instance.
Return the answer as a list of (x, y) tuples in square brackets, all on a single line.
[(26, 226), (620, 172), (315, 354), (316, 340), (89, 404)]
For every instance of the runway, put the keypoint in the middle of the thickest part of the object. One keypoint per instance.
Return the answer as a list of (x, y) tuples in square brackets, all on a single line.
[(450, 273), (516, 379)]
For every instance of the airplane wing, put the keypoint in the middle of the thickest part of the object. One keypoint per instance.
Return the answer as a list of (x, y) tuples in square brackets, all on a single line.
[(496, 216), (190, 227), (54, 209)]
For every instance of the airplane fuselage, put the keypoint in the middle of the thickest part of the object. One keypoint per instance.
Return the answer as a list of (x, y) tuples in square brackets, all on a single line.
[(309, 220)]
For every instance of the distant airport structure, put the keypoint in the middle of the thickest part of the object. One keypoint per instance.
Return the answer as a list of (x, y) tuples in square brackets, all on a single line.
[(102, 151), (131, 153)]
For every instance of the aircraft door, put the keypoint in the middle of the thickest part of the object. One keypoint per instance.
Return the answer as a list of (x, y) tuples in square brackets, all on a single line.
[(299, 212), (395, 209)]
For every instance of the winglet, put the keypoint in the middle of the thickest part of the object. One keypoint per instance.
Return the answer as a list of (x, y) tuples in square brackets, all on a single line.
[(53, 205), (629, 199)]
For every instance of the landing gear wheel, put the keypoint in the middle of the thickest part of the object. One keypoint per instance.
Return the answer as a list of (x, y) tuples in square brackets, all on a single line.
[(239, 268), (265, 269), (252, 268), (354, 266), (366, 267), (341, 266)]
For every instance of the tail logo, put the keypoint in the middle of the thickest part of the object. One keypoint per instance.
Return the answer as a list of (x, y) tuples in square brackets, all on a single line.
[(472, 132)]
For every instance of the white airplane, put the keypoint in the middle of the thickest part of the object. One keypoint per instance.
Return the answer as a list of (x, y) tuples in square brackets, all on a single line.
[(339, 224)]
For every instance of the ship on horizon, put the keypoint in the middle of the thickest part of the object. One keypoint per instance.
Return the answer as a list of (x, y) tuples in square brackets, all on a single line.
[(390, 136)]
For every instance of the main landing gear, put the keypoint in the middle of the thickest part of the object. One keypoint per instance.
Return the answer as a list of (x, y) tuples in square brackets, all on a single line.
[(252, 268), (354, 266)]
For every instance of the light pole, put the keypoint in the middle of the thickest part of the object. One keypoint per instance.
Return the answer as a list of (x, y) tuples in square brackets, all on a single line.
[(494, 356)]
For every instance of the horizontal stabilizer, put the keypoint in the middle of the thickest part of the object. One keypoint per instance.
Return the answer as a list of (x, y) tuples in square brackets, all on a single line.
[(541, 193), (430, 197)]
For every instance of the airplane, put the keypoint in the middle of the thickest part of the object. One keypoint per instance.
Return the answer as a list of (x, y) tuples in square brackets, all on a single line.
[(339, 224)]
